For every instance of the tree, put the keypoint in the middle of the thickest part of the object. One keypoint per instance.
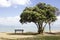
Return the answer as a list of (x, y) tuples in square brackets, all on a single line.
[(51, 15), (39, 14)]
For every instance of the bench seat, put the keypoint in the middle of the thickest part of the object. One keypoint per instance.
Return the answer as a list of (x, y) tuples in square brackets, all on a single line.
[(19, 30)]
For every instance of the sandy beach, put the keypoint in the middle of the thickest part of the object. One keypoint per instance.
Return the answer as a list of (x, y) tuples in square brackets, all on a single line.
[(6, 35)]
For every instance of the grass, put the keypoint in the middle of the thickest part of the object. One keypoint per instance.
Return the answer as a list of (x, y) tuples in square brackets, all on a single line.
[(37, 38), (43, 38)]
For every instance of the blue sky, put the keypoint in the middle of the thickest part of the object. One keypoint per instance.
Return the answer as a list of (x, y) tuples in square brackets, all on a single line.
[(14, 8), (10, 11)]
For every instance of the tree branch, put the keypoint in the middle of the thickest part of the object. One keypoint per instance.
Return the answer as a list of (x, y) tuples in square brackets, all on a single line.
[(44, 26), (37, 25)]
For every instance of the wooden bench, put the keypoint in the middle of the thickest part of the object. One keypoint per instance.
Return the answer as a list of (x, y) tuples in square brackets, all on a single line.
[(19, 30)]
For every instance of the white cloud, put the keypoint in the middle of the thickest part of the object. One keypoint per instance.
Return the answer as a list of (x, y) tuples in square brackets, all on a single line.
[(20, 2), (58, 17), (14, 21), (9, 20), (4, 3), (8, 3), (57, 22)]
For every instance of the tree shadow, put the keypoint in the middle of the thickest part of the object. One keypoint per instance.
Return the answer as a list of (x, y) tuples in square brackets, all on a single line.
[(57, 33), (22, 33)]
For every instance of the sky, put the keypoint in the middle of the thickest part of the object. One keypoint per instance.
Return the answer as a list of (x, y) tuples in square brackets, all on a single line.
[(10, 11)]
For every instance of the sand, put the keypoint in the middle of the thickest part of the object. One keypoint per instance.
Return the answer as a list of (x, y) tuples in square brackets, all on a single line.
[(6, 35), (14, 36)]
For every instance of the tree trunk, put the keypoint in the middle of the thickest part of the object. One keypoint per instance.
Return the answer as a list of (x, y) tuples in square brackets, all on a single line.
[(49, 28), (40, 29)]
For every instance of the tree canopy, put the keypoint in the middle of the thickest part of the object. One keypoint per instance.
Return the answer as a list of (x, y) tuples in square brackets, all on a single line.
[(39, 14)]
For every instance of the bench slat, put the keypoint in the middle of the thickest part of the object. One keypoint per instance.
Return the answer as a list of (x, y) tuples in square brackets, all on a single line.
[(19, 30)]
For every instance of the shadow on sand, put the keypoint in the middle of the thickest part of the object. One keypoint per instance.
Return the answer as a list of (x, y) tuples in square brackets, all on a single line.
[(57, 33), (31, 33), (22, 33)]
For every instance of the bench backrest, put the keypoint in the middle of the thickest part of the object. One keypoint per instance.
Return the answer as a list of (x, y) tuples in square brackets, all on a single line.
[(19, 30)]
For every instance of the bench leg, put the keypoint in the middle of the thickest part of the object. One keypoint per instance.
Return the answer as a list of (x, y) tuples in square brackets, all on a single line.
[(22, 32), (15, 32)]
